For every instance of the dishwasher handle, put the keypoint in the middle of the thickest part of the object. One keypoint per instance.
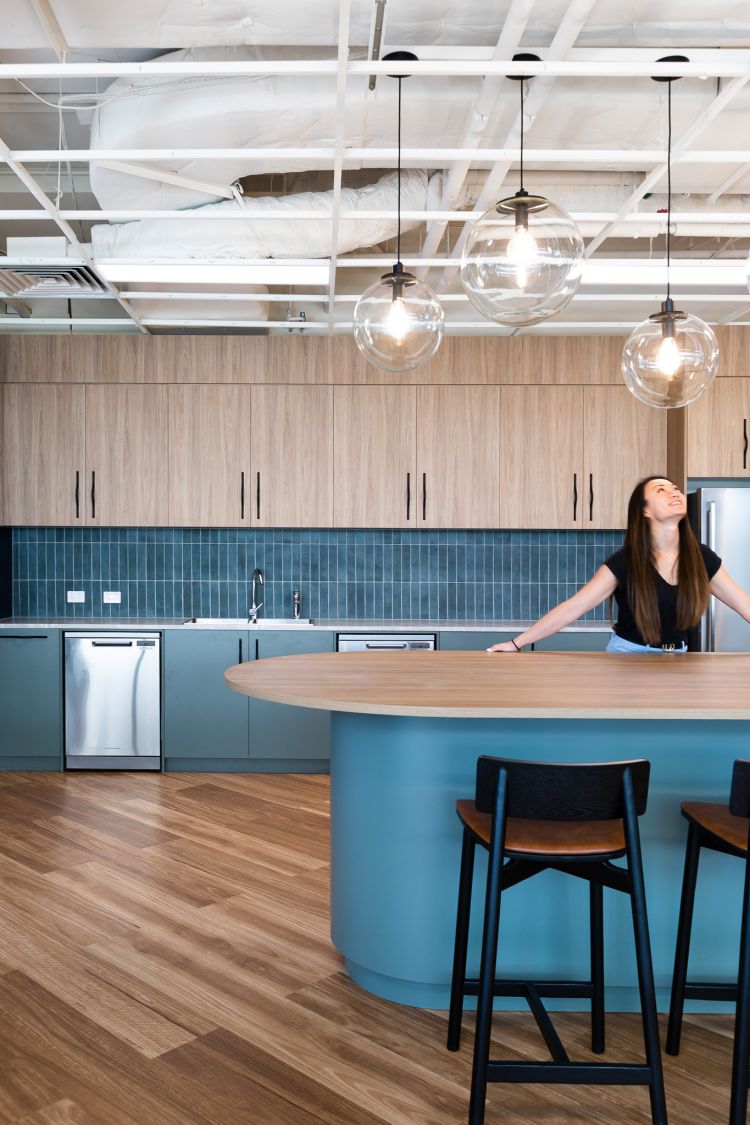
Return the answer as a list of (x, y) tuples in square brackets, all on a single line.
[(112, 644), (387, 644)]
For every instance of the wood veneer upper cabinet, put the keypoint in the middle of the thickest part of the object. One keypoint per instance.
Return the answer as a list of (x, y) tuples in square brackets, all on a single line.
[(126, 449), (719, 430), (209, 456), (623, 440), (374, 444), (291, 449), (43, 454), (458, 456), (541, 443)]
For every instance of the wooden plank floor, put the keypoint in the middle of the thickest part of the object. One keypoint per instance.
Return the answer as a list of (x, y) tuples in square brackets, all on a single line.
[(165, 959)]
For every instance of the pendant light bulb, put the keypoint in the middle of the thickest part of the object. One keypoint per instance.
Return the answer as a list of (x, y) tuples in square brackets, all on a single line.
[(523, 259), (398, 321), (671, 358), (523, 253)]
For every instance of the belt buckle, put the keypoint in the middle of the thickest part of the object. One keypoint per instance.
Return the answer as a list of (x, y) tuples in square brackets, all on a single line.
[(670, 647)]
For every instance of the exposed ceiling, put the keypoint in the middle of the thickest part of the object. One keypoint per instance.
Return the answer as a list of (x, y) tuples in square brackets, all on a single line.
[(234, 160)]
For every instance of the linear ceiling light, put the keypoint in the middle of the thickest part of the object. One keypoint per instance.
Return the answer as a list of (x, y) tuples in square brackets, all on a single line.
[(266, 271)]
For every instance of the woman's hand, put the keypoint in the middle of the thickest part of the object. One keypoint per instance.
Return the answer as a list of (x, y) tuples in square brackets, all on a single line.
[(504, 646)]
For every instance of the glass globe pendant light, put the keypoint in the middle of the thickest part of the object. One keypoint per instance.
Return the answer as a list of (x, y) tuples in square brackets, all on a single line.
[(523, 259), (670, 359), (398, 321)]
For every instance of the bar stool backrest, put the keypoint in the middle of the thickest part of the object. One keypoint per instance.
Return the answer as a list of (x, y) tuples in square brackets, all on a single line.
[(739, 796), (562, 791)]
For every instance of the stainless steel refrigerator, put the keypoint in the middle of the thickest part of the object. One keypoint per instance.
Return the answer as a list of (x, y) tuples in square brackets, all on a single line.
[(721, 519)]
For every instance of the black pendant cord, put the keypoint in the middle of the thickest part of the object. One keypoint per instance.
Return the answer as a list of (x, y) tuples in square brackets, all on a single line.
[(398, 178), (669, 181), (521, 84)]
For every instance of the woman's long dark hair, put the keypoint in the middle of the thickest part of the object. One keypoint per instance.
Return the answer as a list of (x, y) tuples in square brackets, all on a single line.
[(692, 577)]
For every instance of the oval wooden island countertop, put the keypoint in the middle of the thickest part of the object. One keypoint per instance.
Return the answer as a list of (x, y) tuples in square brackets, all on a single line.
[(485, 685)]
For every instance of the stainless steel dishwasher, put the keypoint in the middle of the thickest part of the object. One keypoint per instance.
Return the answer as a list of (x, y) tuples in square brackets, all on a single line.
[(112, 701), (384, 642)]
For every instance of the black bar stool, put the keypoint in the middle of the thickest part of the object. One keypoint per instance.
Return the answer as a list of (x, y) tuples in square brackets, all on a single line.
[(725, 829), (577, 819)]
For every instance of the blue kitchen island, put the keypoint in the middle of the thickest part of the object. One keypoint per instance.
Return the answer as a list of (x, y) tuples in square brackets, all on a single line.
[(407, 729)]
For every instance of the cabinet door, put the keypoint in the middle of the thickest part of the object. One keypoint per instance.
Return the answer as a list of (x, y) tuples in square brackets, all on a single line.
[(203, 718), (292, 457), (43, 454), (458, 456), (624, 440), (455, 640), (374, 448), (286, 738), (719, 430), (541, 465), (209, 456), (30, 699), (126, 455)]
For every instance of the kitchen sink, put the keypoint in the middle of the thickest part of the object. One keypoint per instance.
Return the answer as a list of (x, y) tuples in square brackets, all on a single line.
[(261, 623)]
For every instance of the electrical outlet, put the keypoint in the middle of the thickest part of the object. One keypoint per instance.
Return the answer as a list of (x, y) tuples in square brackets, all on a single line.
[(76, 595), (111, 597)]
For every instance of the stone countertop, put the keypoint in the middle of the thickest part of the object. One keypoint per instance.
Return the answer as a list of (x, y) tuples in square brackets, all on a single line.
[(74, 624)]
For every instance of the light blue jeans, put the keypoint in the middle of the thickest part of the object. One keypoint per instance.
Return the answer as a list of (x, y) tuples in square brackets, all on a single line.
[(619, 644)]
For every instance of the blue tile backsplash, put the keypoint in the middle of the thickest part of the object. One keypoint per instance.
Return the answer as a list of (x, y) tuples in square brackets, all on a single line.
[(381, 575)]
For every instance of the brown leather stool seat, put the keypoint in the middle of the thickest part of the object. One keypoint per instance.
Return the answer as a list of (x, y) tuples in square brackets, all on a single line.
[(531, 817), (548, 837), (719, 828), (718, 821)]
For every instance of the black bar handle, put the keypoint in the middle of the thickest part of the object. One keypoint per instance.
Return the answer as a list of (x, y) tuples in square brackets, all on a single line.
[(257, 649), (257, 495), (424, 496), (408, 496), (591, 496), (112, 644), (78, 494), (93, 495), (240, 659), (242, 502), (23, 636), (744, 450), (575, 496)]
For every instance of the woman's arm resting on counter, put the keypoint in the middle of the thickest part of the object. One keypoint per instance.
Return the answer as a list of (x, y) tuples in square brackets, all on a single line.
[(601, 586), (724, 587)]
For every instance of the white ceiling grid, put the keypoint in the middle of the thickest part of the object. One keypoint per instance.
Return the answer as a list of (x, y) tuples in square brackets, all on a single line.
[(168, 102)]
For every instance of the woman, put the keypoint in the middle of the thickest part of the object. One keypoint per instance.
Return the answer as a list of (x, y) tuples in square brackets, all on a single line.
[(661, 579)]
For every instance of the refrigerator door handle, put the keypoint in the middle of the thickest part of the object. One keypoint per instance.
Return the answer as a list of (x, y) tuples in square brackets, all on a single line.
[(711, 536)]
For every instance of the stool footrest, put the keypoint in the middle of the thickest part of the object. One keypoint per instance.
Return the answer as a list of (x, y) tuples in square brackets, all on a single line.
[(549, 988), (705, 990), (596, 1074)]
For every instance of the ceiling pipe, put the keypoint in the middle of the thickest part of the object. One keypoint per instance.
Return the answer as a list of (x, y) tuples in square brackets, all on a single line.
[(338, 159)]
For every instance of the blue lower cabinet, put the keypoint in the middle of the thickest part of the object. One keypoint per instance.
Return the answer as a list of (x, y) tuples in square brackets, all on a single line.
[(30, 699), (205, 724), (460, 641), (289, 739), (574, 642)]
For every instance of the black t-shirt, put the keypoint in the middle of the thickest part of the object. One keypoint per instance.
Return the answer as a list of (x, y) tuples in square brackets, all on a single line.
[(666, 596)]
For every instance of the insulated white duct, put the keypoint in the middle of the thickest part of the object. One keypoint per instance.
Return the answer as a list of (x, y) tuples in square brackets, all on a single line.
[(274, 237)]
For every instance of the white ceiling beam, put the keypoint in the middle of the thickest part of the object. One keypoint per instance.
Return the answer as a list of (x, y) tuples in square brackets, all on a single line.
[(52, 29), (600, 64), (436, 157), (679, 148), (479, 118), (339, 140), (249, 214), (729, 182), (146, 173), (33, 187)]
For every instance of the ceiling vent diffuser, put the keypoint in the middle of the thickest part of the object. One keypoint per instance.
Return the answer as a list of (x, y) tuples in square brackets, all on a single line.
[(48, 279)]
